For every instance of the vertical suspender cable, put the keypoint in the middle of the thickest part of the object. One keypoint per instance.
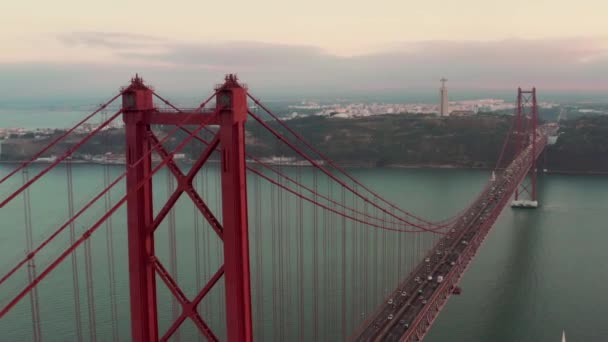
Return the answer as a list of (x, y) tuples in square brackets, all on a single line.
[(88, 260), (197, 250), (366, 260), (111, 268), (400, 247), (219, 252), (288, 286), (275, 283), (334, 273), (343, 270), (386, 261), (259, 249), (326, 266), (90, 290), (75, 277), (281, 260), (300, 242), (175, 309), (31, 266), (206, 238), (315, 263), (110, 243), (376, 288), (357, 260), (259, 272)]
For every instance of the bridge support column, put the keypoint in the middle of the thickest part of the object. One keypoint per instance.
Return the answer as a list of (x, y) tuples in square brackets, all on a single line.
[(137, 100), (527, 138), (232, 105), (230, 114)]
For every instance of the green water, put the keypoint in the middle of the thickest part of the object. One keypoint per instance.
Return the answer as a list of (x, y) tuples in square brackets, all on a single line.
[(538, 273)]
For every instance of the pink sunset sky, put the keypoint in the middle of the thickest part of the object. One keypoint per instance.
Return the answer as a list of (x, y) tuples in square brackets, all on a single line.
[(309, 45)]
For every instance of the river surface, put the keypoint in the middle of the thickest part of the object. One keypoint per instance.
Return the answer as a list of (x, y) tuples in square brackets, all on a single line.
[(539, 271)]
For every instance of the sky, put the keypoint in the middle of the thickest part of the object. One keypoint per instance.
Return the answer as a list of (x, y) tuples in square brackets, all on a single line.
[(307, 47)]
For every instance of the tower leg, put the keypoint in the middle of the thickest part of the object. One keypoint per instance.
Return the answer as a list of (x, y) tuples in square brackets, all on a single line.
[(526, 138), (142, 280), (234, 210)]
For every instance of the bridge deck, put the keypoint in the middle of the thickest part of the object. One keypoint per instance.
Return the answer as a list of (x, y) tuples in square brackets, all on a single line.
[(417, 301)]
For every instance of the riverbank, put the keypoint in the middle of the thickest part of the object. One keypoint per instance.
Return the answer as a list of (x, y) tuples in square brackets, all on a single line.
[(346, 165)]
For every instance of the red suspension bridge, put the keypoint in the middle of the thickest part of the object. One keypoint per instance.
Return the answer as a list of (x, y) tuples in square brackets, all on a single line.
[(291, 249)]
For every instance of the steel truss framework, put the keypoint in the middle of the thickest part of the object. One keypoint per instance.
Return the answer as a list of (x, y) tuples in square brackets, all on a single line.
[(230, 114), (527, 117)]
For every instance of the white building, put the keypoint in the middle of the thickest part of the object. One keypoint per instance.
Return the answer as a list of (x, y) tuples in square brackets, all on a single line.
[(443, 93)]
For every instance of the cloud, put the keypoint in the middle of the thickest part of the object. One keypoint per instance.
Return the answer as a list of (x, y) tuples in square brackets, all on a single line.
[(111, 40), (551, 64), (242, 54), (511, 53), (495, 62)]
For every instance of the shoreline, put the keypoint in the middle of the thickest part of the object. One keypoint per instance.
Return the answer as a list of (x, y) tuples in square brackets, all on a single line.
[(363, 165)]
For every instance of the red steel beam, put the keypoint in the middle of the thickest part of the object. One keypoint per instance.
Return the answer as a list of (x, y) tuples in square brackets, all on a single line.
[(185, 185), (188, 307), (534, 125), (140, 211), (231, 114), (527, 109), (518, 138), (158, 117), (232, 98), (88, 232), (139, 114)]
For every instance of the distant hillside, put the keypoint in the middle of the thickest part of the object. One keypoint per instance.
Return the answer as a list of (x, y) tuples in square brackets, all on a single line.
[(582, 146), (399, 139), (388, 140)]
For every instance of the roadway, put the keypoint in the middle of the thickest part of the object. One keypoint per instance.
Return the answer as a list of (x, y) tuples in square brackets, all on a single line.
[(394, 317)]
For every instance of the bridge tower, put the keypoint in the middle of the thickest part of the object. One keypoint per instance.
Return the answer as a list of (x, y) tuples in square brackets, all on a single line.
[(230, 114), (526, 142)]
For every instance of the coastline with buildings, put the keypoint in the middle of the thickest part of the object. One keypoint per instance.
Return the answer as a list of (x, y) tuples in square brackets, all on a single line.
[(443, 99), (354, 110), (119, 159), (367, 130)]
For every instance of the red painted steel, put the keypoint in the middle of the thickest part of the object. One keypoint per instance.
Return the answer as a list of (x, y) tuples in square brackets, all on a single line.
[(230, 115), (232, 104), (534, 142), (527, 133), (519, 141), (158, 117), (87, 233), (137, 101)]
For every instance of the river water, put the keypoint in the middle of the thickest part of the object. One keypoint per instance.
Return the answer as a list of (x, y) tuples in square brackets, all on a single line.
[(539, 271)]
